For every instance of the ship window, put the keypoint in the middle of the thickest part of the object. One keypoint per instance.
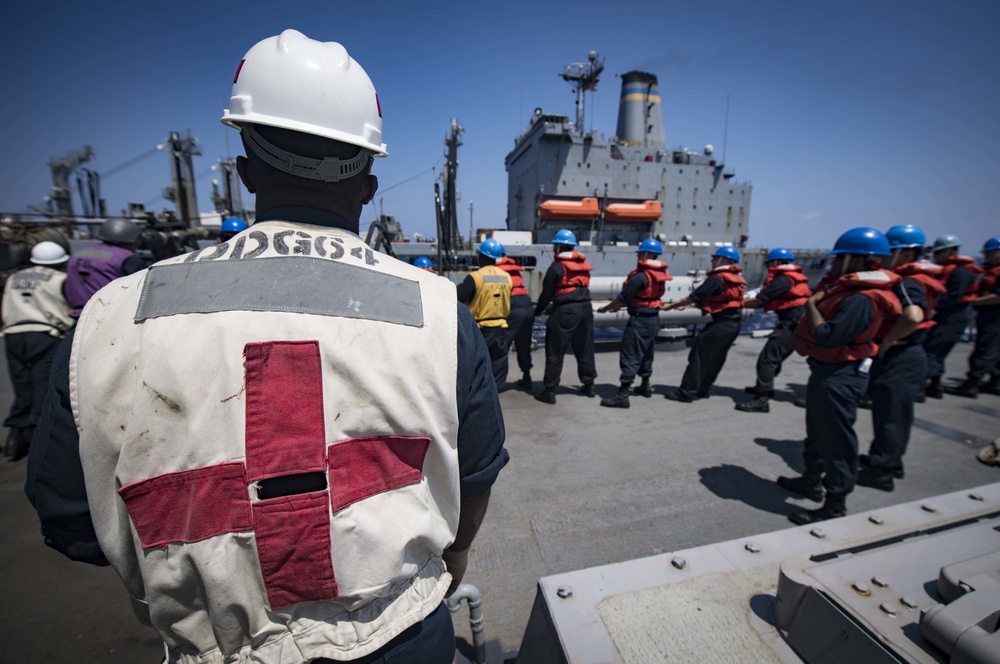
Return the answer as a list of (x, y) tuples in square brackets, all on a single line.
[(710, 224), (680, 170), (578, 164), (587, 185), (697, 172), (694, 207), (564, 183), (709, 207)]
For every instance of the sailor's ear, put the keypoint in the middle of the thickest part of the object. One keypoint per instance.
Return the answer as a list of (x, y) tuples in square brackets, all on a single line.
[(368, 189), (243, 168)]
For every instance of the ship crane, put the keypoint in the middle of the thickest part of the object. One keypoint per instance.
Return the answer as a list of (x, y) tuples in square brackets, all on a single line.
[(583, 77), (61, 201)]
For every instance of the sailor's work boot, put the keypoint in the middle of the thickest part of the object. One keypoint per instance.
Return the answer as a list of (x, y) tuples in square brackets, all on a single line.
[(546, 397), (758, 405), (752, 389), (969, 389), (934, 389), (834, 507), (525, 382), (897, 472), (587, 390), (644, 389), (876, 478), (807, 486), (620, 400), (992, 387)]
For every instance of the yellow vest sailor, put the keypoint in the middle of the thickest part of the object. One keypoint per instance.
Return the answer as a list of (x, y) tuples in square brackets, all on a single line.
[(487, 293)]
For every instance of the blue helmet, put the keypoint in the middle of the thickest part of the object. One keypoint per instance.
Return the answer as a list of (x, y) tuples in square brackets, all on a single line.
[(992, 244), (650, 245), (233, 225), (946, 242), (565, 236), (491, 249), (732, 253), (779, 254), (906, 237), (424, 262), (862, 241)]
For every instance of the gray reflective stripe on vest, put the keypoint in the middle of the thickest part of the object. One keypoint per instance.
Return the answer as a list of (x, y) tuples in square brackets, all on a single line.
[(94, 253), (297, 285), (494, 278), (36, 276)]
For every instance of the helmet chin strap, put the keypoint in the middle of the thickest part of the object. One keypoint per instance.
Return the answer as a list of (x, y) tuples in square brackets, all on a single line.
[(328, 169)]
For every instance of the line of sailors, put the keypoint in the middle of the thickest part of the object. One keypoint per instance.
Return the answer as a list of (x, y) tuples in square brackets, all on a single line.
[(41, 304), (877, 327)]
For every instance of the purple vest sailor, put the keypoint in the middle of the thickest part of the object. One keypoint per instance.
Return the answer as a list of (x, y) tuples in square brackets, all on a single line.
[(89, 270)]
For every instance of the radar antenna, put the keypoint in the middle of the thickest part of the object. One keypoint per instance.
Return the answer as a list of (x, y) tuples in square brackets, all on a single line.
[(583, 77)]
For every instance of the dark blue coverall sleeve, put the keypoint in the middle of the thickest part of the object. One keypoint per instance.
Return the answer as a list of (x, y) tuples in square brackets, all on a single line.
[(778, 287), (711, 286), (552, 277), (633, 286)]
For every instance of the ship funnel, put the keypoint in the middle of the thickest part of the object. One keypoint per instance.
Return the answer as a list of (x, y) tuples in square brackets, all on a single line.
[(640, 118)]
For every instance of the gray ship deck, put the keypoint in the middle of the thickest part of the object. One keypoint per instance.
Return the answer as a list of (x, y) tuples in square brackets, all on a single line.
[(586, 486)]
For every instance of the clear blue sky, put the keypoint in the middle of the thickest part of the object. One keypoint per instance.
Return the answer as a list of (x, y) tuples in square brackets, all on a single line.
[(841, 113)]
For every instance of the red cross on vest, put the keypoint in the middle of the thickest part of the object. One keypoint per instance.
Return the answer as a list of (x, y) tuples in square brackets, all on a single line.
[(285, 436)]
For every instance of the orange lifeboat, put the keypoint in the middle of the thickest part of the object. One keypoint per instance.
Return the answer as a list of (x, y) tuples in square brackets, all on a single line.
[(646, 211), (584, 208)]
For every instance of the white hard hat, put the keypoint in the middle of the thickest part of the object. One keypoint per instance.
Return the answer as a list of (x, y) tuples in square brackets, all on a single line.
[(48, 253), (294, 82)]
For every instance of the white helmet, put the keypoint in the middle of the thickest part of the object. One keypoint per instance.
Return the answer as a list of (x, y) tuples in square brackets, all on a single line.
[(48, 253), (294, 82)]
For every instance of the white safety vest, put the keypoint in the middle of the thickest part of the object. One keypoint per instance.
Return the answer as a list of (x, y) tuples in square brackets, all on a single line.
[(33, 301), (203, 383)]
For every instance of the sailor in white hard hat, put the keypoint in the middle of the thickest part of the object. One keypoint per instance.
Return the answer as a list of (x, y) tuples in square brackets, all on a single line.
[(258, 472), (35, 319)]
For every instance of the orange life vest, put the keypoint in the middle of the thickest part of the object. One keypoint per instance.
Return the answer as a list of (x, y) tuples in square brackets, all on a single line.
[(657, 276), (508, 265), (796, 295), (988, 283), (877, 286), (734, 287), (576, 272), (969, 264)]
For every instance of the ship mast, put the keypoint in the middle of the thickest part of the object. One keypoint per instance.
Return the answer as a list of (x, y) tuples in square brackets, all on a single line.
[(583, 77)]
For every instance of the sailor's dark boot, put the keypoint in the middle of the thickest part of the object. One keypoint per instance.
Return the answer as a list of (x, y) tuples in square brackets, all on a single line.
[(992, 387), (897, 472), (644, 389), (546, 397), (758, 405), (587, 390), (934, 389), (807, 486), (969, 389), (19, 443), (876, 478), (620, 400), (525, 382), (834, 507)]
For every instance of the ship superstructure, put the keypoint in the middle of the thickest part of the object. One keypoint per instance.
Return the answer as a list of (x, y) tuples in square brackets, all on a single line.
[(625, 188)]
